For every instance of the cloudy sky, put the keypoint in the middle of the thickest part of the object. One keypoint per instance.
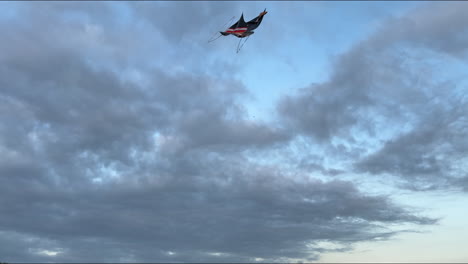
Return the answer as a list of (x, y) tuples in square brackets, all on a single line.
[(337, 134)]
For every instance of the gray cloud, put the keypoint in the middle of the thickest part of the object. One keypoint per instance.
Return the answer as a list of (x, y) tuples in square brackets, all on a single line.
[(438, 26), (429, 156), (97, 166), (242, 212), (380, 67), (392, 89)]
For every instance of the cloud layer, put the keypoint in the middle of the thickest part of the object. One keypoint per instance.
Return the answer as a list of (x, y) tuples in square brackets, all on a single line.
[(399, 90), (106, 156)]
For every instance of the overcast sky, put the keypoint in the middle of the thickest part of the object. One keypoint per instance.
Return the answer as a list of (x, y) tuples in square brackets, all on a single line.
[(337, 134)]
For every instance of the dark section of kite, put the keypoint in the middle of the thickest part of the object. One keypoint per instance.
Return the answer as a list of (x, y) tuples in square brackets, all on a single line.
[(242, 29)]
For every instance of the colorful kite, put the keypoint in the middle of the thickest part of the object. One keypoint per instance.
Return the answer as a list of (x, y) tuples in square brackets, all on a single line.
[(242, 29)]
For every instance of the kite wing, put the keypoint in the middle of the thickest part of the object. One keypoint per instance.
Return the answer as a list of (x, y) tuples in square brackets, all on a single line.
[(237, 29), (254, 23)]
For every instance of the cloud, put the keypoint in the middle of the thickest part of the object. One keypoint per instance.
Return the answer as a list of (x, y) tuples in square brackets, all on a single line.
[(437, 26), (241, 212), (90, 108), (430, 156), (396, 98)]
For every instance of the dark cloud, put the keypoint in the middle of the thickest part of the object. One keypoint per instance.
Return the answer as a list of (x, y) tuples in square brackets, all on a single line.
[(95, 109), (243, 212), (96, 166)]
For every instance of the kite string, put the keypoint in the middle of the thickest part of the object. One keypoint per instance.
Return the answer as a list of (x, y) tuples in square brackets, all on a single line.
[(239, 46), (213, 37)]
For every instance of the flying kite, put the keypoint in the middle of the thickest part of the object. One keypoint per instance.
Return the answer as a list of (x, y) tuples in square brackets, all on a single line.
[(242, 29)]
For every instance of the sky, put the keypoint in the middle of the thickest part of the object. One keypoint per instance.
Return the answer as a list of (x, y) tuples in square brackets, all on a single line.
[(337, 134)]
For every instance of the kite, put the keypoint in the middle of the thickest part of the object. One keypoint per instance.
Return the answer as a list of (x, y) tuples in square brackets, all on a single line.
[(242, 29)]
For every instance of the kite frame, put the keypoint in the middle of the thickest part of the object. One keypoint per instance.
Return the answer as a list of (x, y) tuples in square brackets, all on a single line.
[(213, 38)]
